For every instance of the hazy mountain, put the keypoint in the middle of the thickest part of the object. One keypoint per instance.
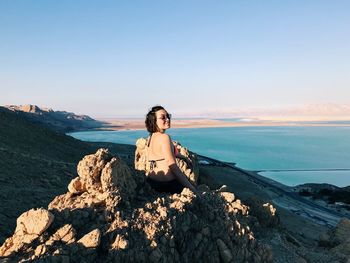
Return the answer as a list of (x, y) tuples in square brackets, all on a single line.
[(58, 120), (307, 112)]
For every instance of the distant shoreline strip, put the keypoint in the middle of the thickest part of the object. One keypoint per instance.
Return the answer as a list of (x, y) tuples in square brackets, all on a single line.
[(306, 170)]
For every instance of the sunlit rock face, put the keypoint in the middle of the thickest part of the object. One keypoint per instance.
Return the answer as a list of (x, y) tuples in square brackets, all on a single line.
[(110, 214)]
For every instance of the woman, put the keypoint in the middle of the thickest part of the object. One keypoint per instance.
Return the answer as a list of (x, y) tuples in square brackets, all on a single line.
[(164, 175)]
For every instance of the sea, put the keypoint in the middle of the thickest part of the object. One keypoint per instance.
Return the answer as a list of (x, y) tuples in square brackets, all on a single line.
[(291, 155)]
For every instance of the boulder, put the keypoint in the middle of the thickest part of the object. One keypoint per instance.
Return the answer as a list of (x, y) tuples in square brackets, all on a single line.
[(34, 221), (30, 225), (91, 239), (90, 167)]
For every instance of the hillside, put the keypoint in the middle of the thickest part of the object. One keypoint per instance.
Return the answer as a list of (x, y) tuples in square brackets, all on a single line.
[(62, 121), (36, 163)]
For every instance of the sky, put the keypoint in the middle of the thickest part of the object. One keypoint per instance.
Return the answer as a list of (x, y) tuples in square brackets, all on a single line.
[(119, 58)]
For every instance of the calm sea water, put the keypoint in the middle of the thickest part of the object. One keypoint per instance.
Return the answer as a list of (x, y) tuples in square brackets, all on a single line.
[(321, 151)]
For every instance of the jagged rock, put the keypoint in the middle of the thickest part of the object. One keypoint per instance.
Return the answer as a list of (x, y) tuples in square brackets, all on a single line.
[(271, 210), (227, 196), (30, 225), (117, 176), (141, 163), (186, 161), (120, 243), (89, 169), (263, 211), (92, 239), (65, 234), (76, 186), (34, 221), (129, 223)]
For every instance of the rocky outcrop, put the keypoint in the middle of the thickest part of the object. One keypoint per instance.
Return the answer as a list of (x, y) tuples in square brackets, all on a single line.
[(30, 225), (337, 240), (185, 160), (263, 211), (110, 214)]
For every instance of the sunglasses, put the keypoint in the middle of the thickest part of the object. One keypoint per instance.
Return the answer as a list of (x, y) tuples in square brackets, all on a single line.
[(165, 117)]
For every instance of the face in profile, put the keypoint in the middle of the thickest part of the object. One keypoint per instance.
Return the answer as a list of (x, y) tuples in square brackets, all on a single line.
[(163, 120)]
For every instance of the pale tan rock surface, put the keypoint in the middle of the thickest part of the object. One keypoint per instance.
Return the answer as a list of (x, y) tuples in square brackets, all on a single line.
[(30, 225), (91, 239), (118, 217), (34, 221), (186, 160)]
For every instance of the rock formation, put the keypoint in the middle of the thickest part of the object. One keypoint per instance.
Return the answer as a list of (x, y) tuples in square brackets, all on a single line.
[(186, 160), (337, 240), (110, 214)]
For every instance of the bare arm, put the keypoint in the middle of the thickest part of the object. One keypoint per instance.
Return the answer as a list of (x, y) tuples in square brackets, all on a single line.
[(167, 148)]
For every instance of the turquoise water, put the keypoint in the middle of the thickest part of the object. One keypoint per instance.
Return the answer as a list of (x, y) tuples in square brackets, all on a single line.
[(262, 148)]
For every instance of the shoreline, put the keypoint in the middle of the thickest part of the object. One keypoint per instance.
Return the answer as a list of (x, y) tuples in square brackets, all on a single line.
[(286, 197), (138, 124)]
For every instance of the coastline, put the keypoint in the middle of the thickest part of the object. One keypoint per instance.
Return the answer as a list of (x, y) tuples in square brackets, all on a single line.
[(138, 124), (281, 195)]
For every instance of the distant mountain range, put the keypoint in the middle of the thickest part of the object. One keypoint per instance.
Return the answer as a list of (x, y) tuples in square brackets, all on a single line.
[(61, 121), (328, 111)]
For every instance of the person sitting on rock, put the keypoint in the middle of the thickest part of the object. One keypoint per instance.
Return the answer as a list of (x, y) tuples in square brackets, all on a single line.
[(164, 175)]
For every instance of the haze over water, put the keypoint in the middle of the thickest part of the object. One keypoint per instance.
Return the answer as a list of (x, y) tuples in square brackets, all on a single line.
[(324, 152)]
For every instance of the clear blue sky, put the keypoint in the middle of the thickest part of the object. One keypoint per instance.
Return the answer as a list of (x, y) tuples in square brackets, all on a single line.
[(118, 58)]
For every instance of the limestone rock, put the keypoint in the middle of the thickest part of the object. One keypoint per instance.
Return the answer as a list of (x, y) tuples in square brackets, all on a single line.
[(30, 225), (140, 155), (117, 176), (92, 239), (120, 243), (34, 221), (76, 186), (89, 169), (65, 234)]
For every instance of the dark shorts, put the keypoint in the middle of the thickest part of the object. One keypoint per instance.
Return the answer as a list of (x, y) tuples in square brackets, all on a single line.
[(173, 186)]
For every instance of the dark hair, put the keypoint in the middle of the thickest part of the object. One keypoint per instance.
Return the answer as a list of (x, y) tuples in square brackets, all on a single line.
[(151, 119)]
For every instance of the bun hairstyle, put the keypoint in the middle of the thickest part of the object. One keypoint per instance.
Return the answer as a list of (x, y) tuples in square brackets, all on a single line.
[(151, 119)]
